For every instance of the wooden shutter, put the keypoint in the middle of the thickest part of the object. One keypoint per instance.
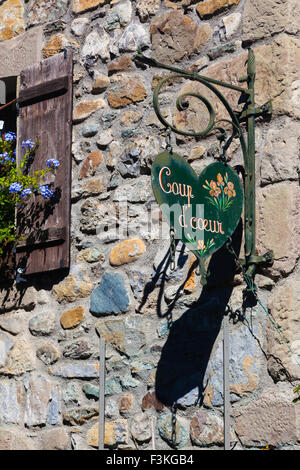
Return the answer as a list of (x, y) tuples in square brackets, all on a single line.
[(45, 115)]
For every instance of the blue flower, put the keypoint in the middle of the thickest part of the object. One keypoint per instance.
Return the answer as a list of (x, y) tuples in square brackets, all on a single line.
[(52, 163), (15, 188), (45, 191), (26, 192), (28, 143), (9, 136)]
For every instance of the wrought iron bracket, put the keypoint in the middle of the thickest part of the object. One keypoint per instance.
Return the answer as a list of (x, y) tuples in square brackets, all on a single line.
[(252, 262)]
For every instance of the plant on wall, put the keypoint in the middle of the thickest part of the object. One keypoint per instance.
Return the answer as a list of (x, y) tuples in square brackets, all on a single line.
[(17, 185)]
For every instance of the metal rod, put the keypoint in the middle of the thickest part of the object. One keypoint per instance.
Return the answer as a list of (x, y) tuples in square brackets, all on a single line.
[(101, 393), (226, 384)]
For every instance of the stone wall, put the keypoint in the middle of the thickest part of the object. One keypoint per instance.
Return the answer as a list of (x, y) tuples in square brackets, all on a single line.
[(163, 331)]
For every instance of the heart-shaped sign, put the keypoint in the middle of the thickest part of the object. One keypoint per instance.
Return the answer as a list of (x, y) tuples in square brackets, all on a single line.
[(203, 210)]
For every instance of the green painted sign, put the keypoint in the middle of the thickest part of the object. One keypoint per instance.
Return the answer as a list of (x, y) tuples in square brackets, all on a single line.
[(203, 210)]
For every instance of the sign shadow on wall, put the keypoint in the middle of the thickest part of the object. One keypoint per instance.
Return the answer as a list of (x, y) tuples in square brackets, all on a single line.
[(185, 355)]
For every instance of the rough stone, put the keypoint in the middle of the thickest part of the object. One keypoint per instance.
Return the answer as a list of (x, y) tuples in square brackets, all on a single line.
[(91, 391), (125, 336), (284, 306), (100, 82), (57, 43), (133, 37), (86, 108), (150, 400), (206, 429), (264, 19), (91, 255), (96, 45), (96, 216), (40, 398), (279, 158), (231, 24), (90, 129), (175, 36), (208, 8), (42, 324), (119, 15), (125, 89), (79, 26), (277, 67), (120, 65), (72, 371), (174, 433), (110, 296), (284, 243), (270, 419), (20, 360), (136, 191), (115, 433), (80, 349), (90, 165), (20, 52), (105, 138), (140, 427), (45, 11), (12, 440), (79, 416), (74, 286), (56, 439), (12, 23), (126, 252), (81, 6), (48, 353), (147, 8), (12, 323), (126, 403), (11, 400), (6, 343), (71, 394), (72, 318)]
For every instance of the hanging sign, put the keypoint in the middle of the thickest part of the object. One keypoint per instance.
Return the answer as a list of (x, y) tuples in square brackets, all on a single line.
[(203, 210)]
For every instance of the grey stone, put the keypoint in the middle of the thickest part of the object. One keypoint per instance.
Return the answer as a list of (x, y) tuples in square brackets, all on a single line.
[(137, 191), (127, 381), (133, 37), (10, 402), (45, 11), (96, 45), (112, 386), (174, 432), (79, 26), (140, 427), (137, 281), (6, 343), (120, 15), (18, 53), (42, 324), (12, 323), (190, 398), (71, 393), (91, 129), (105, 138), (42, 401), (79, 415), (110, 296), (78, 350), (48, 353), (91, 391), (80, 371)]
